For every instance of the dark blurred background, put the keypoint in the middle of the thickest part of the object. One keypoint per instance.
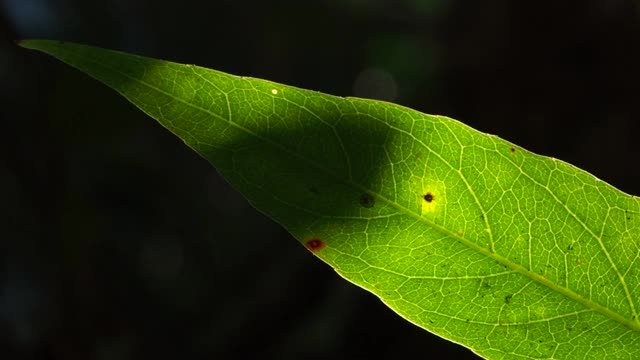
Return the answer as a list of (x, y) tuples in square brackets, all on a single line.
[(118, 242)]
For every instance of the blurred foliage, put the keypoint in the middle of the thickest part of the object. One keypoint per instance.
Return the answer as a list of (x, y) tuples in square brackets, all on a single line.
[(110, 229)]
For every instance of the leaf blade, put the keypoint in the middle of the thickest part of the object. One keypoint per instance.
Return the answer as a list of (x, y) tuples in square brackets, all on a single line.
[(473, 264)]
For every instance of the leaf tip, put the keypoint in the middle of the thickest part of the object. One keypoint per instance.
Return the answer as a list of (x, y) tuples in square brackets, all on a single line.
[(37, 44), (26, 43)]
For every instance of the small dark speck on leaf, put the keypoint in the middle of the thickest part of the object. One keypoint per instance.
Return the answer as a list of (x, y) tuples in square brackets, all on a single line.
[(428, 197), (512, 150), (315, 245), (366, 200), (507, 299)]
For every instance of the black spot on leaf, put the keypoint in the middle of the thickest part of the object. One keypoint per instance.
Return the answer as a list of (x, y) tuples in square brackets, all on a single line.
[(428, 197), (366, 200)]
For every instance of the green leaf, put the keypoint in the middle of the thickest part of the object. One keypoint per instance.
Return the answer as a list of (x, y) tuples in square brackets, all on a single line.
[(509, 253)]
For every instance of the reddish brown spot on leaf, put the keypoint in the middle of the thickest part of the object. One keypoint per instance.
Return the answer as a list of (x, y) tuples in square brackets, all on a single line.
[(428, 197), (314, 245), (512, 150)]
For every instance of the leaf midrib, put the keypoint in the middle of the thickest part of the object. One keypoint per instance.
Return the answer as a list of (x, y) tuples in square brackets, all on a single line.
[(598, 238), (492, 255)]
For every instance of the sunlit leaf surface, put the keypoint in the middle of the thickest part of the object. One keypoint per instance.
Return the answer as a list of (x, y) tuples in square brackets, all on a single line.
[(509, 253)]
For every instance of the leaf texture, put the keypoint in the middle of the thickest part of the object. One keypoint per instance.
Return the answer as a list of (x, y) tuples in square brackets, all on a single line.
[(511, 254)]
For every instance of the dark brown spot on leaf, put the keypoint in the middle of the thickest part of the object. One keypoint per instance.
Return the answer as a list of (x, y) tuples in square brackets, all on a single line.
[(315, 245), (512, 150), (366, 200), (428, 197)]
